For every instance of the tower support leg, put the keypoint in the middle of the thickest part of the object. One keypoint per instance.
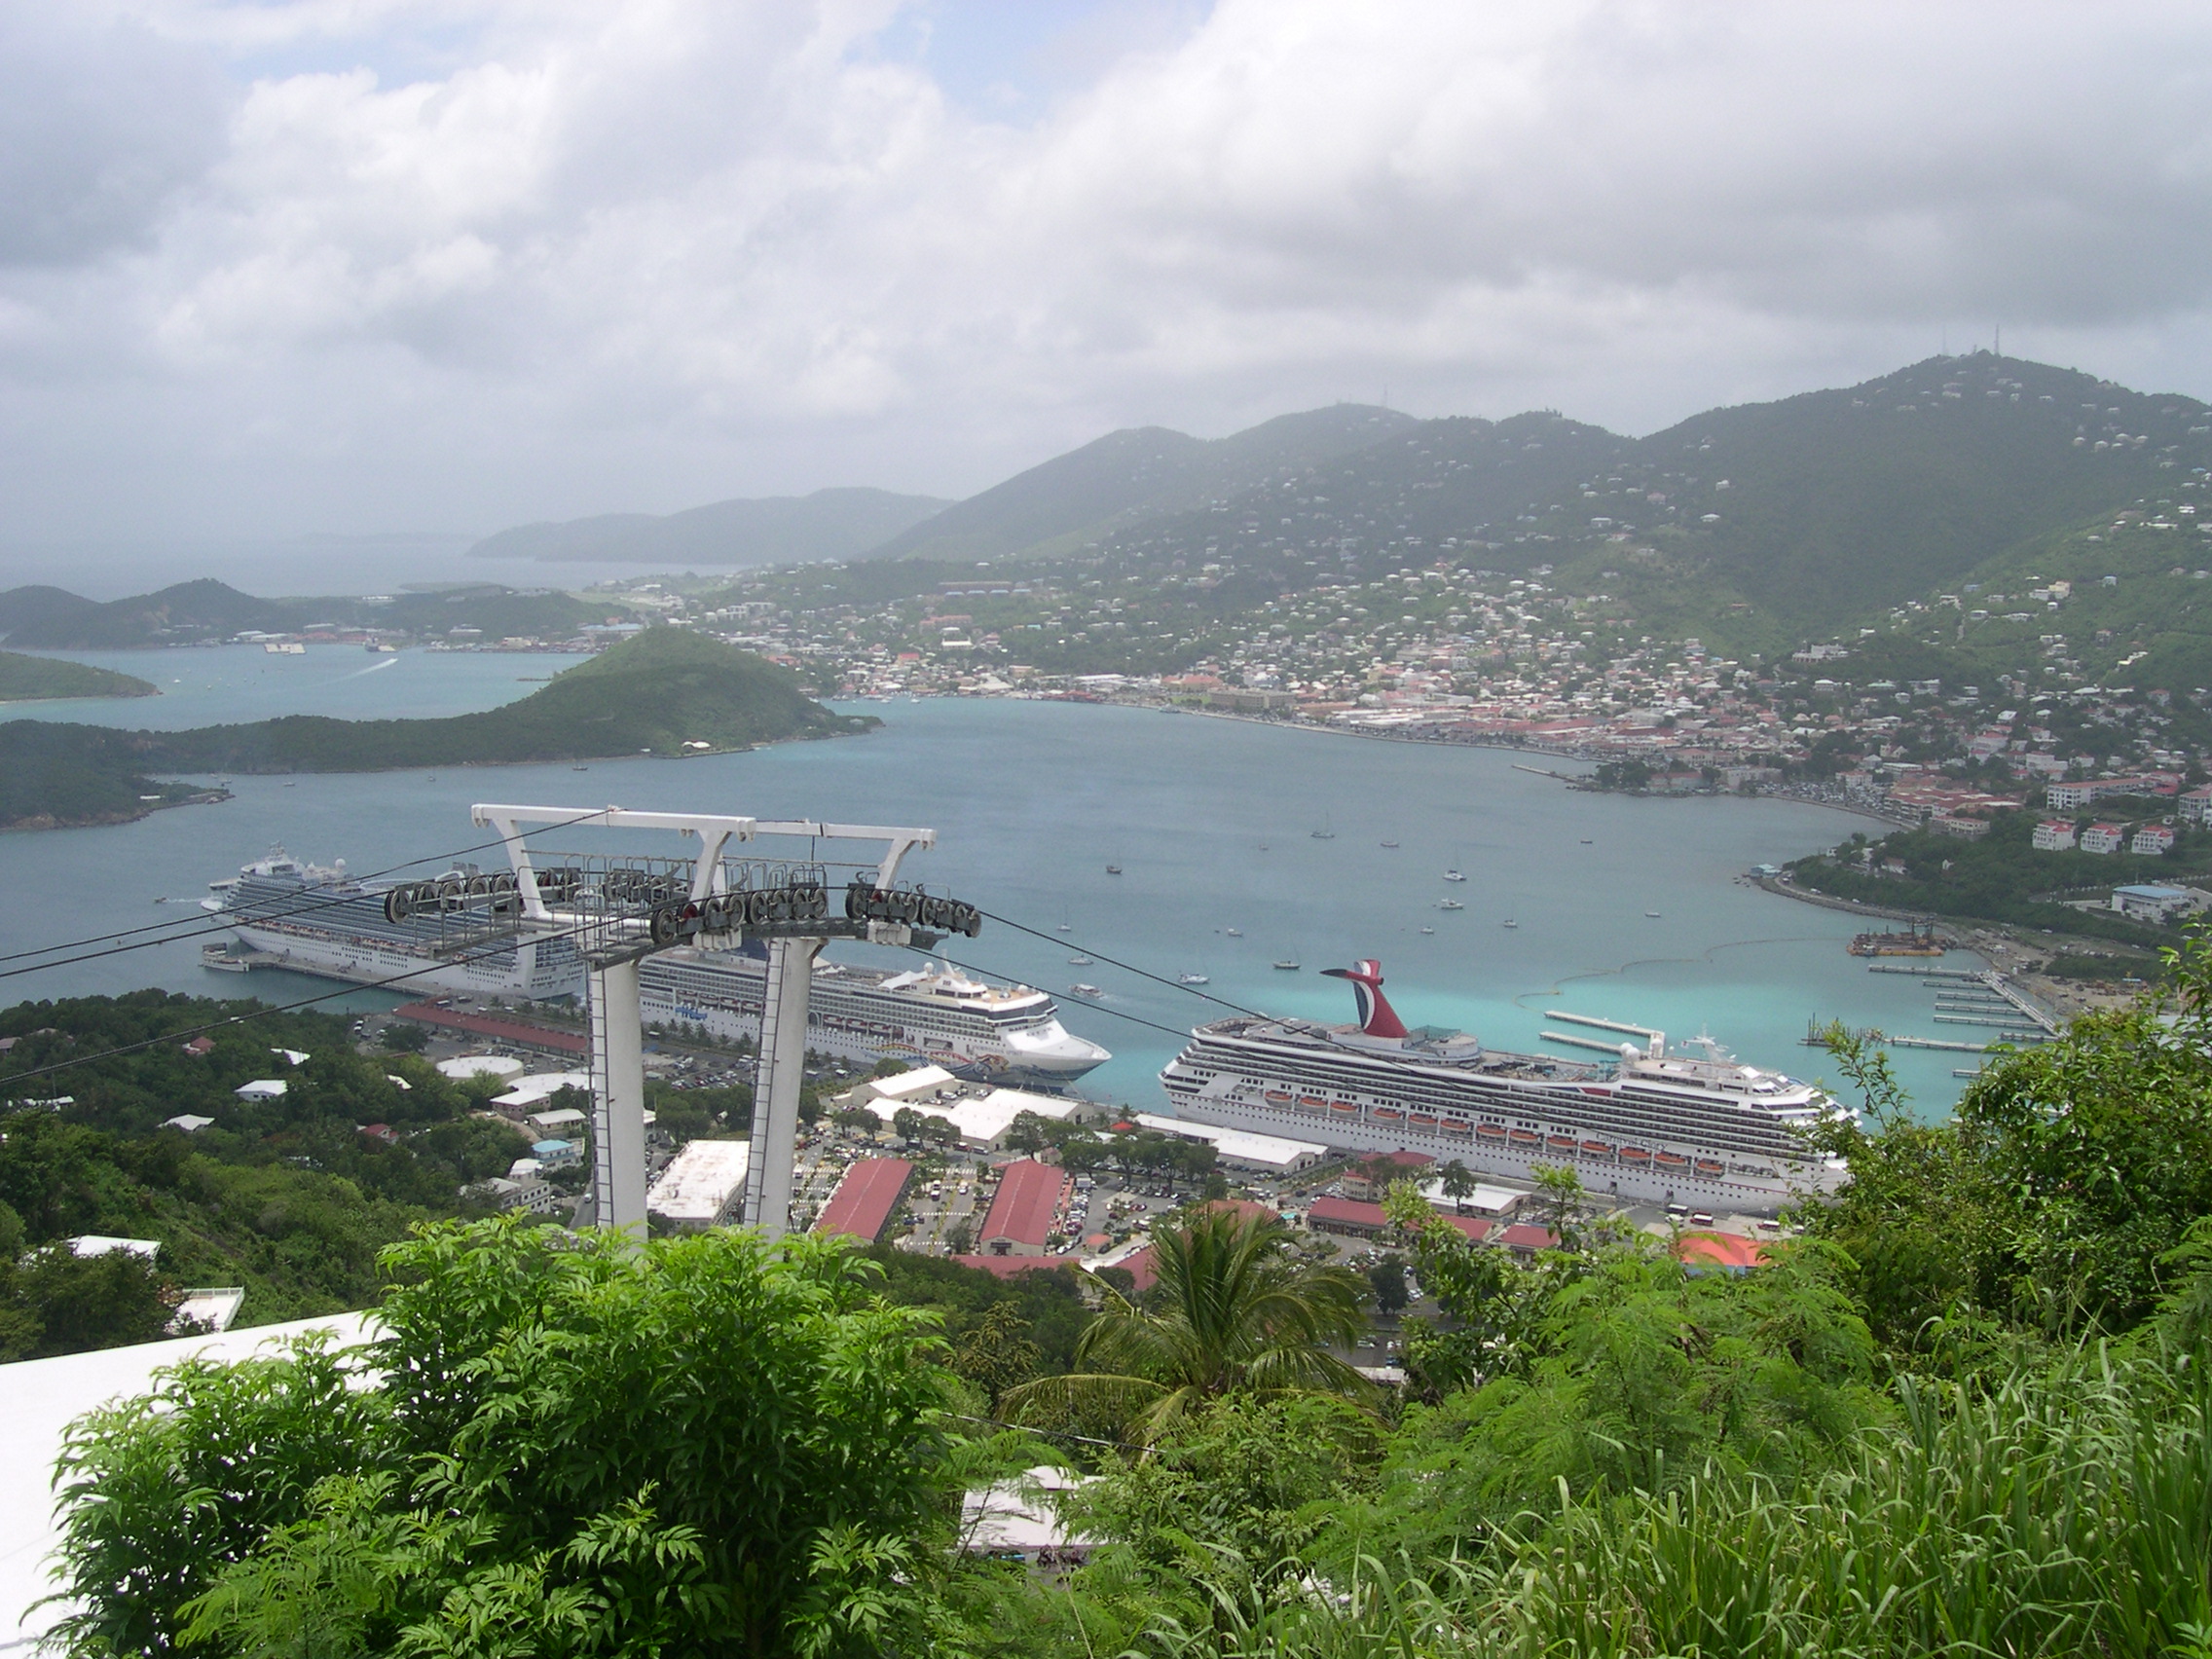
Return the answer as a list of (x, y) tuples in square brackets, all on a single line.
[(617, 1098), (776, 1084)]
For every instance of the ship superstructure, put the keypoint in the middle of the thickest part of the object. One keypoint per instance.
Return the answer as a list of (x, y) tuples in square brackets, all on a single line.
[(320, 920), (1656, 1126)]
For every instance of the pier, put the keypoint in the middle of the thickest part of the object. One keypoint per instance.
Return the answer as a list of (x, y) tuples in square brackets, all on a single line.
[(1920, 972), (1643, 1031), (1613, 1048)]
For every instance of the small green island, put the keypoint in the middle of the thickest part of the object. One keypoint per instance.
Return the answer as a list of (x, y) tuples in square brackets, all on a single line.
[(667, 692), (27, 679)]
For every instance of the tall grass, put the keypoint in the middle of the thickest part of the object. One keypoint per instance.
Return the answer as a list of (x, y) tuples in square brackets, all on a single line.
[(2060, 1513)]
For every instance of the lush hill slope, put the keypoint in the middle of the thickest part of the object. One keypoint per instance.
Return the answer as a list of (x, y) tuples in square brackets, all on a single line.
[(27, 679), (654, 694), (775, 530), (53, 620), (1131, 475)]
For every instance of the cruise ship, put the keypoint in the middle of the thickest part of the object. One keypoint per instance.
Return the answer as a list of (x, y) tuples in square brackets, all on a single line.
[(1656, 1126), (320, 920)]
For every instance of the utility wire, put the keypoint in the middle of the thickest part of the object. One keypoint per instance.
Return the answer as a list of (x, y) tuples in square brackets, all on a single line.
[(286, 1008), (193, 926)]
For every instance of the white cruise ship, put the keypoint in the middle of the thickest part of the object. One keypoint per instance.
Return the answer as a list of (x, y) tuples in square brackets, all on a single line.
[(1655, 1127), (316, 919), (1008, 1034)]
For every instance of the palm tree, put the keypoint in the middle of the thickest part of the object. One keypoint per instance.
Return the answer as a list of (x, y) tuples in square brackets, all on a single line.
[(1237, 1315)]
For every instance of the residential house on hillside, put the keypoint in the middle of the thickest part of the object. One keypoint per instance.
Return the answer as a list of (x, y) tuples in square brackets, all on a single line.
[(2104, 838), (2152, 840), (2053, 835)]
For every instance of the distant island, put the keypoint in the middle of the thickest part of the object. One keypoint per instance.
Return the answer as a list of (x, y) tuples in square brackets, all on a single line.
[(33, 679), (668, 691)]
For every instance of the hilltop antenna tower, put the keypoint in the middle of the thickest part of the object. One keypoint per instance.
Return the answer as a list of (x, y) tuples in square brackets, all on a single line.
[(620, 909)]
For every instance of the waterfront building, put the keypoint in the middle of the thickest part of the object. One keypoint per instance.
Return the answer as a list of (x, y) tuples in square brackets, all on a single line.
[(702, 1187), (1029, 1205), (867, 1198)]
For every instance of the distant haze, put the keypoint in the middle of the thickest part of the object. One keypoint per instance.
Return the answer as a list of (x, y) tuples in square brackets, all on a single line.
[(274, 268), (781, 530)]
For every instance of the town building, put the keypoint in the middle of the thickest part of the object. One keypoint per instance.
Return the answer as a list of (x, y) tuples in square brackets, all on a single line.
[(2104, 838), (1029, 1205), (2196, 805), (1241, 1149), (979, 1119), (2052, 835), (867, 1198), (2144, 904), (2152, 841), (530, 1192), (702, 1187), (1369, 1180)]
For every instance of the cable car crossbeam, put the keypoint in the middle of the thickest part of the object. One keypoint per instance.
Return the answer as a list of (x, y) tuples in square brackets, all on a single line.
[(620, 908)]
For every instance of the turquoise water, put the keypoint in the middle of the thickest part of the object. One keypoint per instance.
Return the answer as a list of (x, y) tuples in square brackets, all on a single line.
[(1210, 821)]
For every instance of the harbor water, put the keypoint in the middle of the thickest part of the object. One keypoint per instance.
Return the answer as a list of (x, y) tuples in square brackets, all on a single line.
[(1624, 908)]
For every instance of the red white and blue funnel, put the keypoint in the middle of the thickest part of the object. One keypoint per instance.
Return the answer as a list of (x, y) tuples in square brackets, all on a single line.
[(1376, 1018)]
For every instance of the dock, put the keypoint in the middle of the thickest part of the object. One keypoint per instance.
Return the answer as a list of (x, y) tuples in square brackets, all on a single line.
[(1643, 1031), (1613, 1048), (1919, 972)]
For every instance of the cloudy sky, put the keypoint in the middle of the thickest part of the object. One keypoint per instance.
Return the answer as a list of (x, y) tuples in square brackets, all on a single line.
[(360, 266)]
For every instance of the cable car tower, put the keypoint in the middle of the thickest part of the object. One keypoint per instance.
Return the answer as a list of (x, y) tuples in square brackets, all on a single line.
[(618, 909)]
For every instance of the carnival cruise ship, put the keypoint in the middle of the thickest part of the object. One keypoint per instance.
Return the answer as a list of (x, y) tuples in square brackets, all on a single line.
[(317, 919), (1653, 1127)]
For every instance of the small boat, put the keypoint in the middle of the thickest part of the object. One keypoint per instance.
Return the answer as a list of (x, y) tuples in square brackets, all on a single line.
[(1392, 845), (1425, 928), (1450, 905), (1669, 1161), (1311, 1102), (1079, 962), (1066, 927), (1560, 1143), (1453, 875), (1523, 1137), (164, 900), (1490, 1132), (1387, 1115), (1113, 869), (1080, 989), (1322, 834), (1344, 1108), (579, 768), (1509, 922), (1278, 1097), (1191, 979), (1711, 1168), (1585, 841), (1653, 914), (1287, 966), (1233, 932), (1421, 1120), (1596, 1149), (1636, 1155)]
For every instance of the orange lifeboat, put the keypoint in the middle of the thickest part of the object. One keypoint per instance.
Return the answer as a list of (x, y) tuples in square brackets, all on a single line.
[(1277, 1097), (1490, 1132), (1636, 1155), (1596, 1149), (1560, 1143), (1458, 1127), (1311, 1102), (1344, 1108), (1387, 1115), (1421, 1120), (1525, 1137), (1711, 1166), (1669, 1161)]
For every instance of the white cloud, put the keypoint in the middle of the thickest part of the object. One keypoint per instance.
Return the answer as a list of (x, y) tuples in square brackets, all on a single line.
[(461, 266)]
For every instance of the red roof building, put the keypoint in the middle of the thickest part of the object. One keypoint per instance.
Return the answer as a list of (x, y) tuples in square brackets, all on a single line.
[(1354, 1218), (1731, 1252), (1525, 1239), (514, 1031), (1031, 1200), (865, 1199), (1370, 1178), (1010, 1266)]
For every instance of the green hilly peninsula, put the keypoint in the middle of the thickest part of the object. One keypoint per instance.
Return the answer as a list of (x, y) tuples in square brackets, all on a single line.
[(35, 678), (667, 692)]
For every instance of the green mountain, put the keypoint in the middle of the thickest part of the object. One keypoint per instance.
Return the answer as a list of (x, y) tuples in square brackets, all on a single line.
[(29, 679), (775, 530), (1132, 475), (50, 618), (662, 692)]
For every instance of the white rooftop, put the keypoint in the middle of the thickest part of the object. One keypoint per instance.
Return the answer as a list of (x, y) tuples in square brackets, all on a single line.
[(559, 1117), (212, 1306), (543, 1085), (187, 1121), (261, 1088), (922, 1080), (1485, 1200), (44, 1396), (290, 1056), (1239, 1146), (982, 1118), (699, 1181), (105, 1244), (1018, 1515), (480, 1065)]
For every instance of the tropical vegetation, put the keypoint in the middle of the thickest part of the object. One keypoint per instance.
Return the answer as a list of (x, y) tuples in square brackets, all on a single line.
[(1961, 1411)]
